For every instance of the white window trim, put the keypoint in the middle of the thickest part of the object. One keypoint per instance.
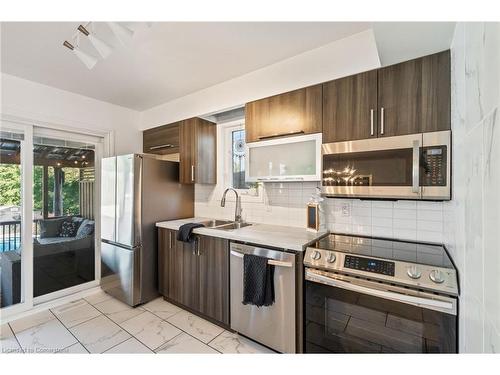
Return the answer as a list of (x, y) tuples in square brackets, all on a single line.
[(226, 132), (104, 147)]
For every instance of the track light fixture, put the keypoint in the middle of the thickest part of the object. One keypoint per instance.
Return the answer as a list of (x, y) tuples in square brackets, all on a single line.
[(123, 35), (101, 47), (85, 58)]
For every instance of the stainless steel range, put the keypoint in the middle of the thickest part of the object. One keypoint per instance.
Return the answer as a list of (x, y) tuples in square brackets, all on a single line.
[(367, 295)]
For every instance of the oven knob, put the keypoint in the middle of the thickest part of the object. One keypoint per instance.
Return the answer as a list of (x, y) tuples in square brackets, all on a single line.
[(413, 272), (316, 255), (436, 276), (331, 258)]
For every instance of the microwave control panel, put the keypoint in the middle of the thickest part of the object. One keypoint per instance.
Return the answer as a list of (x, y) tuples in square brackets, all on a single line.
[(434, 166)]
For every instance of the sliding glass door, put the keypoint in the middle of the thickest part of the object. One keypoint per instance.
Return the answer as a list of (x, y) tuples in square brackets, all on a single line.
[(49, 204), (64, 205), (11, 217)]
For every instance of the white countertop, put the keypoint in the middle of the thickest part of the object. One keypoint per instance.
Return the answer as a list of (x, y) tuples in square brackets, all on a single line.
[(260, 234)]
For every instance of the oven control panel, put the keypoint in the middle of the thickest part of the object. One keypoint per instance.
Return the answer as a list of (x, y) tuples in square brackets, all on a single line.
[(435, 279), (369, 265)]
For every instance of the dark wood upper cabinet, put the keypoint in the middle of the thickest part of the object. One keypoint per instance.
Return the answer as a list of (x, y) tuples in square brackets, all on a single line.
[(436, 89), (414, 96), (406, 98), (198, 150), (350, 108), (195, 275), (291, 113), (195, 140), (162, 140)]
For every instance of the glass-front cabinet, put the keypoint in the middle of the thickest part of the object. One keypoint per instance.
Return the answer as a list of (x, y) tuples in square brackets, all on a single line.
[(285, 159)]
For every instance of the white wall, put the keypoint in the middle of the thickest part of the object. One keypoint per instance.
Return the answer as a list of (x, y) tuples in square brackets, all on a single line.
[(341, 58), (30, 100), (472, 225)]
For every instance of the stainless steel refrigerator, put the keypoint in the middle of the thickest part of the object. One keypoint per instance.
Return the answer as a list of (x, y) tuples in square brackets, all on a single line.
[(137, 190)]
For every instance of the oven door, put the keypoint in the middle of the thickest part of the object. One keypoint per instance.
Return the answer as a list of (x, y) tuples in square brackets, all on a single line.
[(349, 315)]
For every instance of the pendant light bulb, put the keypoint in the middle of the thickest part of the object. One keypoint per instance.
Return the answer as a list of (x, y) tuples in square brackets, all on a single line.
[(101, 47), (88, 60)]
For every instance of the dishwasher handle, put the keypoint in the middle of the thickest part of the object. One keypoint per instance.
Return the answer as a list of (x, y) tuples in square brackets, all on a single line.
[(271, 262)]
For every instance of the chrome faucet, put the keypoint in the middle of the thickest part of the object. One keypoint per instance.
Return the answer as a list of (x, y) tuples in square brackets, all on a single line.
[(237, 211)]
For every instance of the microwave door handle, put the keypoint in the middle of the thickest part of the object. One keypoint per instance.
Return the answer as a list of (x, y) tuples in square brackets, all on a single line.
[(416, 167)]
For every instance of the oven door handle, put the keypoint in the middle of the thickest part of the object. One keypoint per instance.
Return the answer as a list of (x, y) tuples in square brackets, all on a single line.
[(445, 306), (416, 167)]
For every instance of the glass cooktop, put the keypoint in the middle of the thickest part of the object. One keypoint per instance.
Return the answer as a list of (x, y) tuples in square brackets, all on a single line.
[(420, 253)]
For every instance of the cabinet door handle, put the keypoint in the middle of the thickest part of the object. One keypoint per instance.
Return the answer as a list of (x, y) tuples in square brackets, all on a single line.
[(196, 246), (170, 239), (371, 121), (192, 173), (382, 120), (168, 145), (261, 137)]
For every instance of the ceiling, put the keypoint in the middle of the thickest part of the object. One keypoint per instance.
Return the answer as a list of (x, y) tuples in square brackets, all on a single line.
[(168, 60), (164, 61)]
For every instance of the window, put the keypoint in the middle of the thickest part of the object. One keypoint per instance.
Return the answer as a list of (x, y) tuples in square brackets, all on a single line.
[(238, 159), (235, 159)]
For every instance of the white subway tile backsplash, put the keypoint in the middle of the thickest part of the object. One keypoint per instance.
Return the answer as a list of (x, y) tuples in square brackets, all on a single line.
[(429, 236), (409, 205), (361, 220), (382, 222), (380, 212), (405, 234), (338, 218), (285, 204), (430, 215), (365, 230), (361, 210), (432, 226), (362, 204), (383, 204), (435, 206), (341, 228), (386, 232), (404, 224), (404, 213)]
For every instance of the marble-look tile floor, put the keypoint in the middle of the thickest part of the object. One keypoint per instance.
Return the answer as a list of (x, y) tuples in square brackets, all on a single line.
[(101, 324)]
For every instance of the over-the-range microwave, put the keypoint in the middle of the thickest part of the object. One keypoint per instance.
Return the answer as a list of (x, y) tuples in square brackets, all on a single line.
[(415, 166)]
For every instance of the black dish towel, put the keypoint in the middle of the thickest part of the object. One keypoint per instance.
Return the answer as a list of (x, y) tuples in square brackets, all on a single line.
[(258, 281), (185, 231)]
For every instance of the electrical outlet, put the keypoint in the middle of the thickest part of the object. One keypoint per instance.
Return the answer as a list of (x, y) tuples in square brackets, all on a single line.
[(346, 209)]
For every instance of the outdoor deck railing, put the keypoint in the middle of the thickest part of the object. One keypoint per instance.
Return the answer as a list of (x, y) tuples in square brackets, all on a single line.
[(10, 232)]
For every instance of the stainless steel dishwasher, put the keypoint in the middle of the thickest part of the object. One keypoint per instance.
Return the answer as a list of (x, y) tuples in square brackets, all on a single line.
[(273, 326)]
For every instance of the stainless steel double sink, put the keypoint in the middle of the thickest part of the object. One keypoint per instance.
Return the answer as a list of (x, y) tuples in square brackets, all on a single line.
[(224, 224)]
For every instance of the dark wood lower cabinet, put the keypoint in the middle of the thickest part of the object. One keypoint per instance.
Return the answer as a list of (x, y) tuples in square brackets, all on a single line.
[(195, 276), (214, 278)]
